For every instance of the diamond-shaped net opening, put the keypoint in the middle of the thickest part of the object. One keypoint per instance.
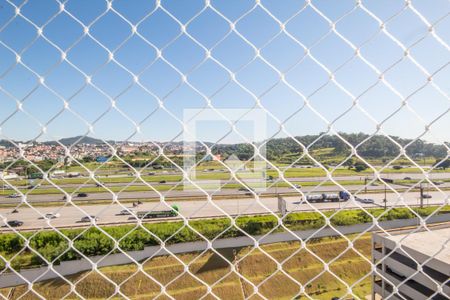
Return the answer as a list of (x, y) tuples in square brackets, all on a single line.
[(209, 149)]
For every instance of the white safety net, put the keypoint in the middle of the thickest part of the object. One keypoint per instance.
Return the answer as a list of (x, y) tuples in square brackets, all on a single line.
[(165, 192)]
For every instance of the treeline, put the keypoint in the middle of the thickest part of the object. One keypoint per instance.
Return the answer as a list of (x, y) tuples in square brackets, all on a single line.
[(52, 246), (378, 146)]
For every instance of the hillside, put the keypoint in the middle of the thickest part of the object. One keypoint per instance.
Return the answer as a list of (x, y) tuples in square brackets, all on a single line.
[(378, 146), (253, 265)]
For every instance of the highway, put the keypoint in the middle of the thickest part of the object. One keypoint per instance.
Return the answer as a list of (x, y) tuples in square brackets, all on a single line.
[(155, 181), (150, 194), (70, 215)]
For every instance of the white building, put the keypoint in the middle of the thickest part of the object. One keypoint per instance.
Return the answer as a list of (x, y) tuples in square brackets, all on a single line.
[(420, 269), (8, 176)]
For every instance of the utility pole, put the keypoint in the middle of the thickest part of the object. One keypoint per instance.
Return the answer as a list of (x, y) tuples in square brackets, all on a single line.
[(365, 184), (281, 206), (386, 181), (421, 195)]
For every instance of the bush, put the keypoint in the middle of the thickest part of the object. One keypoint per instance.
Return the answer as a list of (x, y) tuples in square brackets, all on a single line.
[(10, 243), (399, 213), (52, 245)]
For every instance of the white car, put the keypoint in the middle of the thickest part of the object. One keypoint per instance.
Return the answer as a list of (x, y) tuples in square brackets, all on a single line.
[(126, 212), (366, 200), (52, 215)]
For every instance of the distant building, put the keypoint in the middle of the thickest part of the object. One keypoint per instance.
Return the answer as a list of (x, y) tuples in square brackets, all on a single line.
[(211, 157), (417, 270), (101, 159), (8, 176), (58, 173)]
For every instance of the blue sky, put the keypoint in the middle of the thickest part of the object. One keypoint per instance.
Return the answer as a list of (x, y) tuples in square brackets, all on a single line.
[(209, 78)]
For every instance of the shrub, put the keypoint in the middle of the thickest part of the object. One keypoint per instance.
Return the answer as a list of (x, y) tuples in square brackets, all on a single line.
[(51, 244)]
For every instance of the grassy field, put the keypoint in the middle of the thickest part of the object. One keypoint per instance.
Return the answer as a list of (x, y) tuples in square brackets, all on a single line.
[(254, 265)]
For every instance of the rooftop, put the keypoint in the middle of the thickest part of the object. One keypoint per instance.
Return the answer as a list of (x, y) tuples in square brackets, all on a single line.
[(434, 243)]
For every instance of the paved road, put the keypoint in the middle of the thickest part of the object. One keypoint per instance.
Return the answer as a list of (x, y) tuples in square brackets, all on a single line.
[(70, 214), (394, 176), (188, 193)]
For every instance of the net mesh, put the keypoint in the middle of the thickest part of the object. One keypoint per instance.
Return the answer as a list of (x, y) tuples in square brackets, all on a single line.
[(34, 51)]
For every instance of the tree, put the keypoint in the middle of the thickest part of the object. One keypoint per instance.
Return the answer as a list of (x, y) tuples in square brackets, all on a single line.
[(360, 166), (349, 163)]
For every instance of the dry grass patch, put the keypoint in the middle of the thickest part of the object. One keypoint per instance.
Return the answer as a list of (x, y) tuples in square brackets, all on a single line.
[(214, 270)]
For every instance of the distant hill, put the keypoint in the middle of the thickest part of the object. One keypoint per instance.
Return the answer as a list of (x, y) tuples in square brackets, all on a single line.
[(5, 143), (64, 141), (374, 147), (78, 140)]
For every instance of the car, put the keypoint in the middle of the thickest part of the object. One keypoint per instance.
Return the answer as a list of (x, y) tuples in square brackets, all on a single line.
[(126, 212), (427, 196), (438, 182), (151, 173), (15, 223), (30, 187), (407, 178), (366, 200), (88, 219), (82, 195), (52, 215), (13, 196), (162, 181), (297, 186)]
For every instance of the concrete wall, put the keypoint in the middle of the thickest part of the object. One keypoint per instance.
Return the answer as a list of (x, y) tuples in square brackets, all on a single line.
[(72, 267)]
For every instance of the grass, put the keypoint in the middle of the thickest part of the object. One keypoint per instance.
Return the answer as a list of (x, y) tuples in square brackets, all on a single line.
[(254, 265)]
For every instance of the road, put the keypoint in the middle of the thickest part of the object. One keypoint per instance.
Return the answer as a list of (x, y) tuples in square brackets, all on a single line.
[(393, 176), (150, 194), (108, 214)]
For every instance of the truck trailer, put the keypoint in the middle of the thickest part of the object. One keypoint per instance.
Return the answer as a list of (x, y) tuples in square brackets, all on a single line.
[(340, 197), (151, 214)]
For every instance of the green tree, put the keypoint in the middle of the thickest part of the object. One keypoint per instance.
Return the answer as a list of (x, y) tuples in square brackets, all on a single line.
[(360, 166)]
